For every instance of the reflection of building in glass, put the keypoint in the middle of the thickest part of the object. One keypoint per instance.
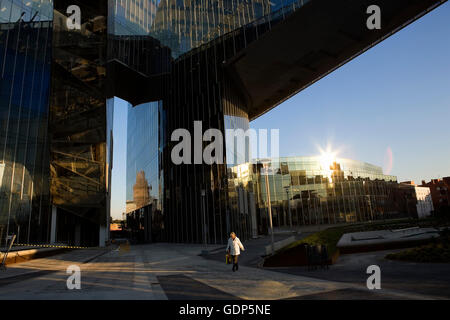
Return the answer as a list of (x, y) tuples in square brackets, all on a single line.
[(141, 191), (305, 190), (132, 17), (143, 168), (184, 25), (413, 200), (15, 10), (130, 206), (80, 127), (55, 132), (424, 202), (25, 58), (144, 172), (187, 24)]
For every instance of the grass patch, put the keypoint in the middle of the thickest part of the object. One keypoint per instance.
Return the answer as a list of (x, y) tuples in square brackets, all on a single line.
[(438, 250), (331, 236)]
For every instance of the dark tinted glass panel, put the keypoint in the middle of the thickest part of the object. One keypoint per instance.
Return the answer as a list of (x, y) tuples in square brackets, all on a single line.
[(25, 60)]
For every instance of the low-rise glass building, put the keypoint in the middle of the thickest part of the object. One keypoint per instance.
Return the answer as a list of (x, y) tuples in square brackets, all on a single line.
[(310, 190)]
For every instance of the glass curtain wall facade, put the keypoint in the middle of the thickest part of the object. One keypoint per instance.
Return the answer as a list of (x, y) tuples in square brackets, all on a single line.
[(78, 124), (308, 190), (187, 24), (203, 87), (25, 63), (144, 185), (55, 129)]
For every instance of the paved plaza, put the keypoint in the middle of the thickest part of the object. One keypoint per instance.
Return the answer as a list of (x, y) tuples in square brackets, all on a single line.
[(175, 271)]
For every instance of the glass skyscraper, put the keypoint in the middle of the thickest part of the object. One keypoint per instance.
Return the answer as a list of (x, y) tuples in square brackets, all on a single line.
[(221, 62), (25, 70), (178, 48), (55, 124)]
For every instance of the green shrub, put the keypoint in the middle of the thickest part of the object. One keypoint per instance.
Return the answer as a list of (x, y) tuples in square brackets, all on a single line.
[(436, 251)]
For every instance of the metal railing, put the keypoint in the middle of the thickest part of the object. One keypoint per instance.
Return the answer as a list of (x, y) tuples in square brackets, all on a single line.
[(11, 238)]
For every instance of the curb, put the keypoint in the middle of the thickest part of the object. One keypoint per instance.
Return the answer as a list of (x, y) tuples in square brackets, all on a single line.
[(30, 254), (50, 246)]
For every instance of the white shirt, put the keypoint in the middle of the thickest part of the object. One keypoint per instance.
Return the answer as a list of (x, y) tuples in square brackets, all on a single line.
[(235, 246)]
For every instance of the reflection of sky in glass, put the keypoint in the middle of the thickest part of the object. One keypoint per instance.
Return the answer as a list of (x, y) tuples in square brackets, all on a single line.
[(25, 80), (12, 10), (133, 18), (233, 155), (142, 147)]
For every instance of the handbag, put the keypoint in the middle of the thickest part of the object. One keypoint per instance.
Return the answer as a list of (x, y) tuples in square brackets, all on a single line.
[(228, 258)]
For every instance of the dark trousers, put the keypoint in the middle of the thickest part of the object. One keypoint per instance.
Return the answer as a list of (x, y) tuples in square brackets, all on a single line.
[(235, 263)]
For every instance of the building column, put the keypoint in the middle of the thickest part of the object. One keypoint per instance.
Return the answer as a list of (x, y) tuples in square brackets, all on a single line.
[(53, 225), (102, 236), (252, 205)]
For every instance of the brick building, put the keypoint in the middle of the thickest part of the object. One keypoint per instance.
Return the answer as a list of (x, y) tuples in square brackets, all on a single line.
[(440, 194)]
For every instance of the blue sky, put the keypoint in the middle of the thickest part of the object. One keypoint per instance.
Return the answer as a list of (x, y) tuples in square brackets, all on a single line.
[(396, 96), (119, 172)]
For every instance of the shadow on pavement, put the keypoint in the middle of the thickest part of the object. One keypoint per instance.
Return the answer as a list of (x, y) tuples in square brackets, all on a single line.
[(346, 294), (180, 287)]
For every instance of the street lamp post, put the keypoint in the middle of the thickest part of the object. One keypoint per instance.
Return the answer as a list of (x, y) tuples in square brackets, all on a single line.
[(269, 205), (289, 207)]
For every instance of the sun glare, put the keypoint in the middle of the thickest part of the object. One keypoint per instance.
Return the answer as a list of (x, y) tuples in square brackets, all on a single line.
[(327, 157)]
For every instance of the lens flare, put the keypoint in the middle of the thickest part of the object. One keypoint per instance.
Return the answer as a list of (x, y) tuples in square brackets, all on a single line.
[(327, 158), (388, 161)]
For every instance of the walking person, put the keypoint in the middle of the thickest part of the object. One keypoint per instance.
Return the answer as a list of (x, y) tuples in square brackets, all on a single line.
[(234, 248)]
